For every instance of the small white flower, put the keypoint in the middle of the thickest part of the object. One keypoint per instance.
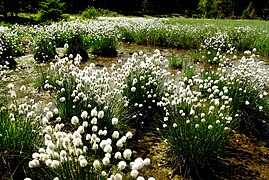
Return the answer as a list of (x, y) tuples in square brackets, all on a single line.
[(211, 108), (55, 111), (55, 164), (49, 114), (34, 163), (247, 103), (22, 88), (108, 148), (196, 126), (10, 86), (210, 126), (192, 112)]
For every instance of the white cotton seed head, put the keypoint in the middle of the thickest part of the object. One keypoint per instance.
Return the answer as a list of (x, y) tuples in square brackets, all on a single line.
[(121, 165), (108, 149), (134, 173), (140, 178), (106, 161), (115, 134), (94, 128), (94, 120), (117, 177), (146, 162), (101, 114), (103, 173), (127, 153), (74, 120), (129, 135), (114, 121), (83, 162), (118, 155), (84, 114), (94, 113), (55, 164), (96, 164)]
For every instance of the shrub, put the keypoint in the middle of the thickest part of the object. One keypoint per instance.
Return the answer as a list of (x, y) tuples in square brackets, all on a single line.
[(89, 13)]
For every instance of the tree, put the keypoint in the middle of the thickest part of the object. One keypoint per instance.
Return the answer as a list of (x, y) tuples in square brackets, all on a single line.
[(51, 10)]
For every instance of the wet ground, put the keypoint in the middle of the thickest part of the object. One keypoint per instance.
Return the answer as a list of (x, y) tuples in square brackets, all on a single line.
[(248, 158)]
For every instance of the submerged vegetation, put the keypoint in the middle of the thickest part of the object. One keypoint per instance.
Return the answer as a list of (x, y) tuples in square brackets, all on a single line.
[(193, 103)]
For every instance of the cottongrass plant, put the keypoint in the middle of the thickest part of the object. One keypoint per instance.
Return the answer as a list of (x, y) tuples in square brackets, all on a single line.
[(89, 142), (195, 127), (81, 89), (88, 151), (248, 87), (213, 48), (145, 79), (19, 132), (75, 45), (7, 53), (44, 47)]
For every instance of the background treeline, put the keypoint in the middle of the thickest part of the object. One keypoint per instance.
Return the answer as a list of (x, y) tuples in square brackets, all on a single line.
[(251, 9)]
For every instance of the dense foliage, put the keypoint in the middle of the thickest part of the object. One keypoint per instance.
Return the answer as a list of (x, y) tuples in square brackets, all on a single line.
[(191, 8)]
